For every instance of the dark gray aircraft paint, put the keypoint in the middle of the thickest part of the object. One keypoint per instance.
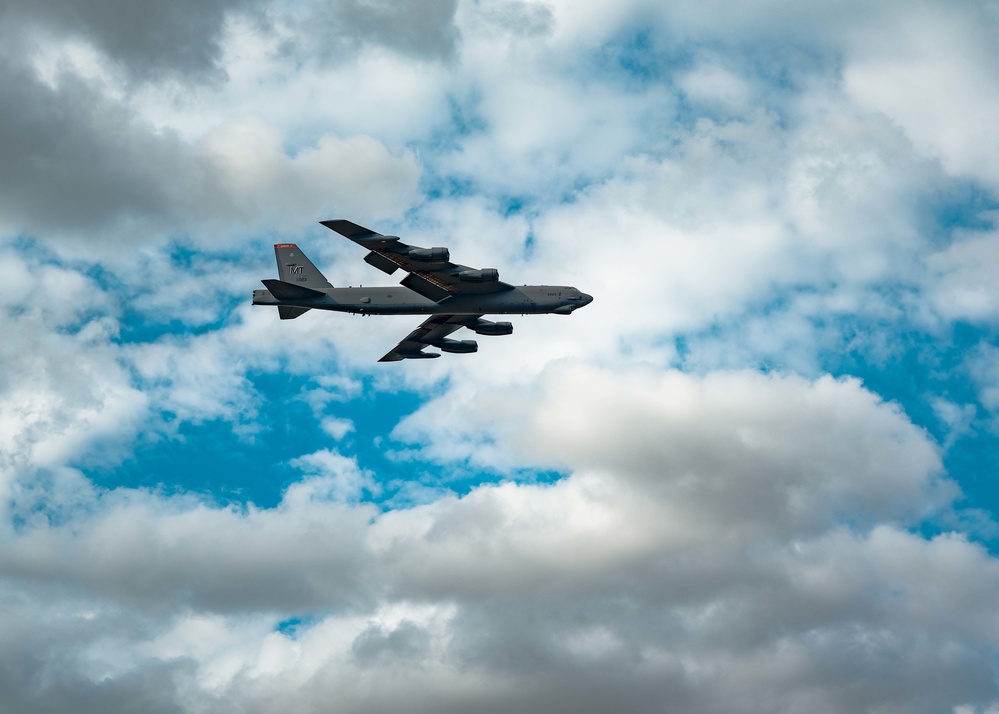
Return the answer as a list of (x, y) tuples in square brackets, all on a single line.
[(454, 296)]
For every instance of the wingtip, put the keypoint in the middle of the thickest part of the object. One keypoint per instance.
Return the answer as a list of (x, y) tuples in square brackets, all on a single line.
[(395, 356), (349, 229), (339, 225)]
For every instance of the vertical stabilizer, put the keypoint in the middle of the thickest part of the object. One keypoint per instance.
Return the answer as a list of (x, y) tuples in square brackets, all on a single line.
[(295, 267)]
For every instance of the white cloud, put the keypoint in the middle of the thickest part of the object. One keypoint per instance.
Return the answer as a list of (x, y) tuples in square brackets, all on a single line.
[(962, 278), (196, 379), (329, 476), (337, 428), (357, 176), (64, 395), (983, 364), (934, 74), (957, 418), (715, 87), (657, 429), (718, 538)]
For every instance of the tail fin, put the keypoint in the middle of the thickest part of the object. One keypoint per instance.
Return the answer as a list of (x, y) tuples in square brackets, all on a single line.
[(295, 267)]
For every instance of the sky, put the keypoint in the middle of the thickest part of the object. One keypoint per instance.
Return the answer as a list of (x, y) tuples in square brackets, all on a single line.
[(756, 474)]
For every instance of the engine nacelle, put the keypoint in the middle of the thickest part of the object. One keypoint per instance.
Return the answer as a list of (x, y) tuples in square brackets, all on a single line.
[(459, 346), (430, 255), (485, 327), (486, 275)]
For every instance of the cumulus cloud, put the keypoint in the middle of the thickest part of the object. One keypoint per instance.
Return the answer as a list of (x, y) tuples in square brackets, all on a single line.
[(83, 159), (97, 168), (330, 476), (568, 521), (357, 176), (695, 555), (64, 392), (182, 37), (648, 425)]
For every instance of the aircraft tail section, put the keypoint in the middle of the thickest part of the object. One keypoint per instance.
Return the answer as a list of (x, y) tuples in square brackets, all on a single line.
[(298, 280), (296, 268)]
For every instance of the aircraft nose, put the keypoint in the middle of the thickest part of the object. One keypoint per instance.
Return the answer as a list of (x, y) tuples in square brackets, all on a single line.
[(585, 299)]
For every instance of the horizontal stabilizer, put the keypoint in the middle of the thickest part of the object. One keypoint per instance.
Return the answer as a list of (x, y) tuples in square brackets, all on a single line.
[(290, 312), (290, 291)]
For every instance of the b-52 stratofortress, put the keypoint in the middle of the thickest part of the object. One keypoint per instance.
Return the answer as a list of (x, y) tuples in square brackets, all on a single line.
[(454, 296)]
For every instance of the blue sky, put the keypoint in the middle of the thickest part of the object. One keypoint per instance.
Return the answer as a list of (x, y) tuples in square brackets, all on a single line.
[(757, 473)]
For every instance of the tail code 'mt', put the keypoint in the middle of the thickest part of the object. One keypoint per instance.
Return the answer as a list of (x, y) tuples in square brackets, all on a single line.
[(295, 267)]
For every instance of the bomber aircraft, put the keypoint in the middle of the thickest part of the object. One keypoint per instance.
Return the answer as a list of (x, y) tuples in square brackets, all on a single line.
[(454, 296)]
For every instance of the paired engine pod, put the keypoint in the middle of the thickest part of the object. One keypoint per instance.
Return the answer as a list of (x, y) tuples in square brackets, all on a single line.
[(458, 346), (486, 275), (430, 255), (485, 327)]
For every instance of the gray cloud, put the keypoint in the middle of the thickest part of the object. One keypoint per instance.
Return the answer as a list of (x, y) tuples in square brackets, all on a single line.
[(64, 665), (424, 30), (82, 158), (77, 163), (236, 555), (635, 581), (733, 540), (145, 39), (406, 642)]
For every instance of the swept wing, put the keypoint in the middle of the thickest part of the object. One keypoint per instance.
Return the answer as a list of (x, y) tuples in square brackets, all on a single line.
[(431, 272), (433, 332)]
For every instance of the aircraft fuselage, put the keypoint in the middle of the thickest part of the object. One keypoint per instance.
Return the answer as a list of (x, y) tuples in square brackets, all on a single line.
[(400, 300)]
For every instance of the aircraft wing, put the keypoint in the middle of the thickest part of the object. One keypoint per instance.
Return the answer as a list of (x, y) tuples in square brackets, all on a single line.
[(433, 332), (431, 272)]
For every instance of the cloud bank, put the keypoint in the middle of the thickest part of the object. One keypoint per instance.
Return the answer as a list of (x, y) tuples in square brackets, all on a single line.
[(754, 474)]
